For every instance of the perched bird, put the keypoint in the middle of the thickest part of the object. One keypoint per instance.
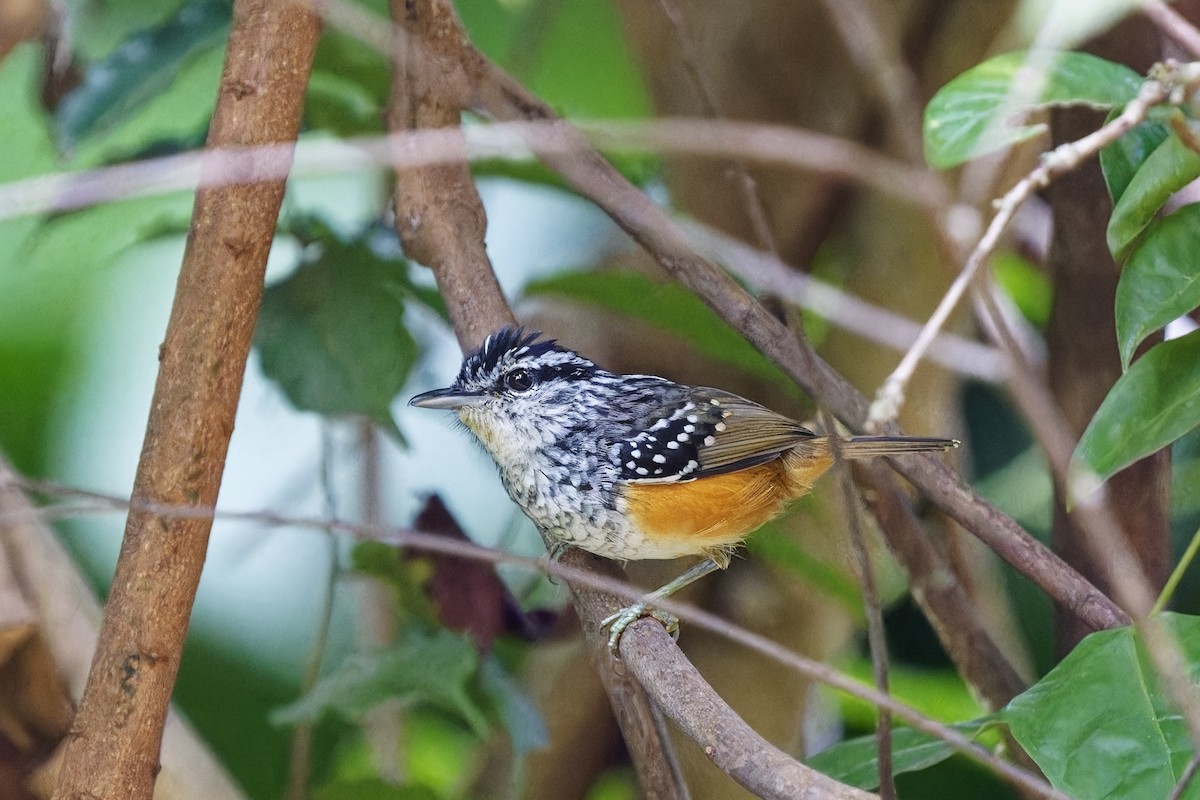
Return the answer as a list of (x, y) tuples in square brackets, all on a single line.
[(636, 466)]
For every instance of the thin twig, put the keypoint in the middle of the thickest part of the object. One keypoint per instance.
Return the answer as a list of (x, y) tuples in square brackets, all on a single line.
[(895, 86), (1094, 512), (1174, 25), (1053, 165), (299, 759), (1185, 779), (228, 166), (745, 182), (1185, 561), (873, 609)]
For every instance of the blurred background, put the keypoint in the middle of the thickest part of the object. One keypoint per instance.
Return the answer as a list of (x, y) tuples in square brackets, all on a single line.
[(84, 298)]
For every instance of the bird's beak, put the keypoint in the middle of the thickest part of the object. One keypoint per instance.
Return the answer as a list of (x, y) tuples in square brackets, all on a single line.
[(447, 399)]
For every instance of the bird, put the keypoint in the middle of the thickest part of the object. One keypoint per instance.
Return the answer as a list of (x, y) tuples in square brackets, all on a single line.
[(633, 467)]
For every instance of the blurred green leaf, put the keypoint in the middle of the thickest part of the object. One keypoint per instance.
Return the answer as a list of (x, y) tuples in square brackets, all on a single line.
[(557, 48), (99, 234), (436, 667), (141, 67), (1154, 403), (937, 693), (665, 305), (373, 789), (348, 87), (973, 114), (856, 761), (1099, 724), (406, 577), (332, 335), (1161, 281), (1028, 287), (776, 547), (514, 707), (1165, 171), (1121, 160)]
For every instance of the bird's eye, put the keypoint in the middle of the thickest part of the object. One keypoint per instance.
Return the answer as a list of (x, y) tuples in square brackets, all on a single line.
[(519, 380)]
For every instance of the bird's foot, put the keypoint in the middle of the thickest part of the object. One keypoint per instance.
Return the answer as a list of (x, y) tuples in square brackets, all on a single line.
[(618, 622)]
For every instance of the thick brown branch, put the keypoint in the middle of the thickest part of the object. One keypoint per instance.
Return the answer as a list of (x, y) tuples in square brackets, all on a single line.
[(733, 745), (117, 732), (441, 222)]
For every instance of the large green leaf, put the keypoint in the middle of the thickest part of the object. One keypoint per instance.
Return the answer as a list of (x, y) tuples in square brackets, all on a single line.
[(332, 335), (557, 48), (1154, 403), (1165, 171), (974, 113), (1161, 281), (856, 761), (1121, 160), (140, 68), (435, 667), (1099, 724)]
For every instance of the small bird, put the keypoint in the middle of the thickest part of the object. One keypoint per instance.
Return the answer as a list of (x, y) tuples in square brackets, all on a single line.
[(634, 466)]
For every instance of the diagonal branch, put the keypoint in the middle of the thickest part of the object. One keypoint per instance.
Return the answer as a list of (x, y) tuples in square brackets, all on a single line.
[(117, 733), (588, 173)]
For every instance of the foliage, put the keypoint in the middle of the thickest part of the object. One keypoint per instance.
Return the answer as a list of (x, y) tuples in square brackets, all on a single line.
[(1099, 725), (333, 335), (1153, 403)]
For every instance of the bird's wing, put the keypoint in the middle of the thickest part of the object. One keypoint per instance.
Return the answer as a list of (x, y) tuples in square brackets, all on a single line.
[(706, 432)]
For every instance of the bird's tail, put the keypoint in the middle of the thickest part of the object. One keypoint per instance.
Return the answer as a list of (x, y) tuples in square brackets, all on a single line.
[(868, 446)]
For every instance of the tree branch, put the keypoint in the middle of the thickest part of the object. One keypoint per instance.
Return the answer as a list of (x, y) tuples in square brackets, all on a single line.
[(117, 733), (441, 222)]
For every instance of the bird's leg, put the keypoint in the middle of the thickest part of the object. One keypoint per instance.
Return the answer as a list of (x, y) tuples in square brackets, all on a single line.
[(618, 622)]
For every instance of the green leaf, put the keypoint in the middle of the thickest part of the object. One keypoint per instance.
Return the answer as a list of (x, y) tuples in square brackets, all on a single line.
[(973, 114), (665, 305), (332, 335), (100, 233), (373, 789), (144, 65), (514, 707), (1161, 281), (856, 761), (436, 667), (1165, 171), (557, 48), (1168, 169), (1154, 403), (1121, 160), (1099, 724), (1028, 286)]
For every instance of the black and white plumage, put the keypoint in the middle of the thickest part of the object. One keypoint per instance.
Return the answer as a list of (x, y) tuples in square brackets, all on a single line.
[(572, 440), (636, 466)]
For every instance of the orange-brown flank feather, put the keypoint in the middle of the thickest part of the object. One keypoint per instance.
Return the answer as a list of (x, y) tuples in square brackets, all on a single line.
[(711, 515)]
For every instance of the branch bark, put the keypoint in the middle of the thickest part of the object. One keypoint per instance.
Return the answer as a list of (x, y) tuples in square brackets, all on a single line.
[(441, 222), (117, 733)]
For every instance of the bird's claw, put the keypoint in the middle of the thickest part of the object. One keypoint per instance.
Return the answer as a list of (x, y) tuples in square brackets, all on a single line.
[(618, 622)]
